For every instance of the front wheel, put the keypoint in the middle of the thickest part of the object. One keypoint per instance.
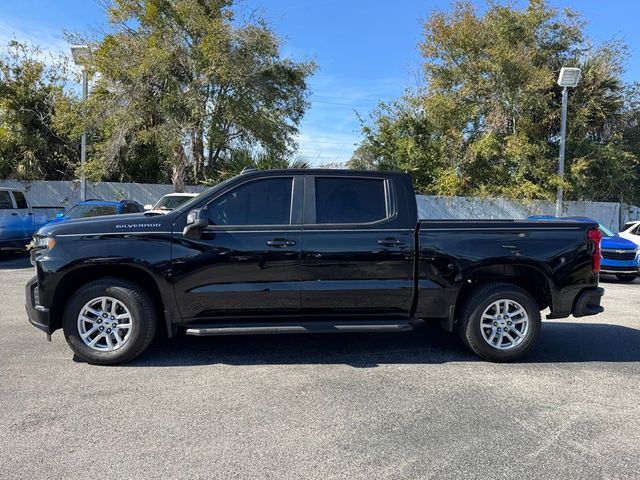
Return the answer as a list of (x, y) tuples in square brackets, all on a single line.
[(499, 322), (627, 277), (109, 321)]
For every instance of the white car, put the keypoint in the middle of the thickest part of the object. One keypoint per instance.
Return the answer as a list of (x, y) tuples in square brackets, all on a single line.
[(170, 201), (631, 231)]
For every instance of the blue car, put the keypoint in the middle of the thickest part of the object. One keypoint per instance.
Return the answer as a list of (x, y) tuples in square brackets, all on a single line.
[(98, 208), (620, 257)]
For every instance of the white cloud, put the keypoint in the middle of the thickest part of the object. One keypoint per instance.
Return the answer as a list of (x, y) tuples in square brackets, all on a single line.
[(51, 41)]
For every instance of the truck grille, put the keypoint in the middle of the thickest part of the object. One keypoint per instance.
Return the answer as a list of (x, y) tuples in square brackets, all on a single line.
[(618, 254)]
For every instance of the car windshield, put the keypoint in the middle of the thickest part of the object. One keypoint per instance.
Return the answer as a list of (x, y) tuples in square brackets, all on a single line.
[(170, 202), (90, 210), (606, 232)]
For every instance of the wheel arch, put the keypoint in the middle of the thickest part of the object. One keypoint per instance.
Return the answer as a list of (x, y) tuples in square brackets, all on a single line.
[(80, 276), (528, 277)]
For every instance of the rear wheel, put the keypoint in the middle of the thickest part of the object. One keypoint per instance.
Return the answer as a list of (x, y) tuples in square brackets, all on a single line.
[(627, 277), (109, 321), (499, 322)]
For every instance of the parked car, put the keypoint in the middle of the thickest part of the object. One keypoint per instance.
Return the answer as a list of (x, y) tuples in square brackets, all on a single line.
[(303, 251), (631, 231), (620, 257), (99, 208), (19, 220), (170, 202)]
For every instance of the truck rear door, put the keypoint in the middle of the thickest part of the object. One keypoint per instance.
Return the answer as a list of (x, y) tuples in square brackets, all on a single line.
[(357, 247)]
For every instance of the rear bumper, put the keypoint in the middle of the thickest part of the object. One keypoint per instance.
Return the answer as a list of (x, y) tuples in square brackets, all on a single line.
[(38, 315), (588, 302)]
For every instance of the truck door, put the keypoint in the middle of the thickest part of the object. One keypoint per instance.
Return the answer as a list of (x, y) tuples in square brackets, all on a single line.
[(248, 258), (357, 247), (24, 214)]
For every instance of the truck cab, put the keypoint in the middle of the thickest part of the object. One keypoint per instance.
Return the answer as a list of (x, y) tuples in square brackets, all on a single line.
[(19, 220)]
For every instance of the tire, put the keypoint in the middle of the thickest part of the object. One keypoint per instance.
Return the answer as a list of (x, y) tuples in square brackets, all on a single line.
[(626, 277), (476, 334), (129, 305)]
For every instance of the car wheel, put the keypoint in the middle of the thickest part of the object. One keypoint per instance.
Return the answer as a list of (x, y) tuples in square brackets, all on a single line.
[(109, 321), (626, 277), (499, 322)]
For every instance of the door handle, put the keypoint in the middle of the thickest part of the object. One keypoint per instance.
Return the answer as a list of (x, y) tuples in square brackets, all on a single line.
[(280, 242), (14, 214), (390, 242)]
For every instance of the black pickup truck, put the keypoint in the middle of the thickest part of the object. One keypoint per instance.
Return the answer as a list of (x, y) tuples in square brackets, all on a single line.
[(304, 251)]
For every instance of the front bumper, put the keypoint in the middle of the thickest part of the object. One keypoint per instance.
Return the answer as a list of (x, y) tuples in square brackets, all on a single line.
[(588, 302), (617, 269), (38, 315)]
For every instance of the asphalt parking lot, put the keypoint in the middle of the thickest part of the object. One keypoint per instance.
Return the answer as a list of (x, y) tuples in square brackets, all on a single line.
[(411, 405)]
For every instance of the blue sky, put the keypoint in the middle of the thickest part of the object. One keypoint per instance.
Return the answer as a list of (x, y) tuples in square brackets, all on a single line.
[(365, 49)]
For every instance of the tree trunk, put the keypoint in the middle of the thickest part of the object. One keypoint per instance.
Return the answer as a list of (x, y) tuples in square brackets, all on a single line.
[(179, 168), (197, 143)]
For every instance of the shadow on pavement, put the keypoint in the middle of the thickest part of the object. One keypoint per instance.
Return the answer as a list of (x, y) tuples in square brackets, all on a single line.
[(560, 343), (10, 260)]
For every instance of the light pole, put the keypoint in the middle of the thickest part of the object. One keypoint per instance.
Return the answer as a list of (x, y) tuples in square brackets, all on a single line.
[(80, 55), (569, 77)]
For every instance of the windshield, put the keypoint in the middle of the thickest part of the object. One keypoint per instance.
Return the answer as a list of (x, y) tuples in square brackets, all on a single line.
[(91, 210), (605, 231), (171, 202)]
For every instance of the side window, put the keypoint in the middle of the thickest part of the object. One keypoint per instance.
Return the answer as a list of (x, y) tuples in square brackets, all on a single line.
[(350, 200), (260, 202), (637, 230), (5, 200), (21, 202)]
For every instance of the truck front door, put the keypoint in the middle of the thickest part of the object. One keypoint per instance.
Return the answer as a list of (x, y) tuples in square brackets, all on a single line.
[(24, 214), (247, 260)]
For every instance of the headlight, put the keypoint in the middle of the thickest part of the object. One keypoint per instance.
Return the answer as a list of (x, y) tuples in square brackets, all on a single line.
[(43, 242)]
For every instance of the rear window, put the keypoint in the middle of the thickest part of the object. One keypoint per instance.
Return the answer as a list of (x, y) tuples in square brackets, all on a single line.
[(5, 200), (350, 200), (21, 202)]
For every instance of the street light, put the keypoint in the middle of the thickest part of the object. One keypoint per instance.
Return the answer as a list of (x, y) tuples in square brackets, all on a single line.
[(80, 54), (569, 77)]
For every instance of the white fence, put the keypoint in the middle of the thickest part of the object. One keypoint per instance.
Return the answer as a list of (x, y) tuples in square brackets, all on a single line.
[(66, 194), (608, 213)]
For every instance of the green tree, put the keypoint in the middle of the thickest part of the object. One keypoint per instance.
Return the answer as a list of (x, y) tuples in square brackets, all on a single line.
[(185, 82), (486, 121), (31, 86)]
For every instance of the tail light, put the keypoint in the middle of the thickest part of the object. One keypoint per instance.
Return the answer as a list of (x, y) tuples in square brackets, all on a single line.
[(595, 235)]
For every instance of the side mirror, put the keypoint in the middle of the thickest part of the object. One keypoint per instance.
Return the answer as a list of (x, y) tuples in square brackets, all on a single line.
[(196, 220), (148, 206)]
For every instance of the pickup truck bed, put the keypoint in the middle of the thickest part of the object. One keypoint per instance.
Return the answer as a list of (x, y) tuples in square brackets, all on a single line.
[(308, 251)]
